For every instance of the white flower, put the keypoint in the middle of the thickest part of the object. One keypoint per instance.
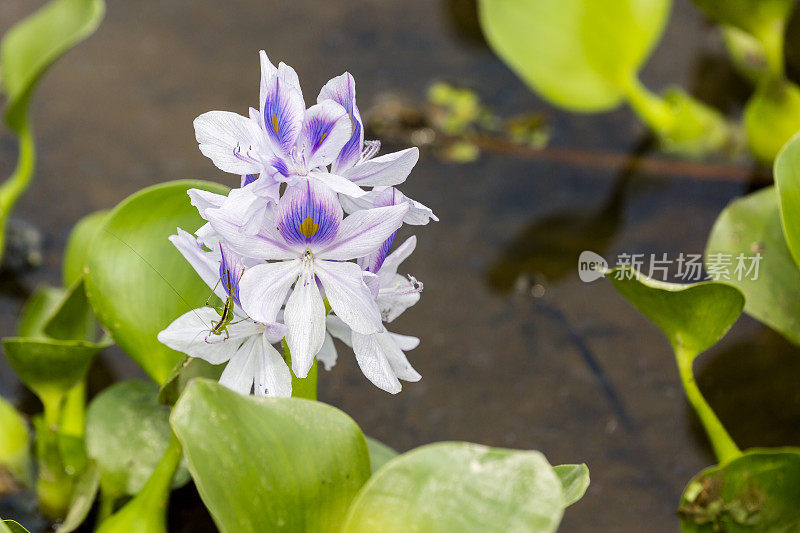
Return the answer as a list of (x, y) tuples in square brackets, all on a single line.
[(253, 363), (310, 241)]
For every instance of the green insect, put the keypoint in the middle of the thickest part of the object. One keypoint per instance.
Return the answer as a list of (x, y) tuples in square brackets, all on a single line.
[(226, 311)]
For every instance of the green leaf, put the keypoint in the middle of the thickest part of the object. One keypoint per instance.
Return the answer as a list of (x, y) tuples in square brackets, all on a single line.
[(72, 319), (137, 282), (82, 499), (15, 451), (78, 244), (787, 183), (458, 486), (127, 433), (11, 526), (752, 225), (579, 54), (147, 511), (379, 454), (260, 463), (31, 46), (38, 310), (693, 317), (758, 491), (771, 118), (764, 19), (574, 480), (50, 368)]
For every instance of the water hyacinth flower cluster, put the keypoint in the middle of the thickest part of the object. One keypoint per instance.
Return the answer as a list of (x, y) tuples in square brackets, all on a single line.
[(279, 251)]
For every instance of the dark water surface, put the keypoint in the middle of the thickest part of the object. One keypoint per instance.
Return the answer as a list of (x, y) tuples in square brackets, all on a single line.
[(574, 372)]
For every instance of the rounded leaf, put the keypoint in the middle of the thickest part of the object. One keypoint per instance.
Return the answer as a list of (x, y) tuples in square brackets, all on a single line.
[(771, 118), (127, 433), (78, 244), (264, 463), (758, 491), (579, 54), (750, 226), (136, 281), (458, 486)]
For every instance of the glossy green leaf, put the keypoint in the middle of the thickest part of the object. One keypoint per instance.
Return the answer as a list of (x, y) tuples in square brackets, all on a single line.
[(757, 492), (82, 499), (574, 480), (771, 118), (147, 511), (48, 367), (137, 282), (579, 54), (693, 317), (750, 226), (458, 486), (38, 310), (10, 526), (127, 433), (787, 183), (31, 46), (379, 454), (261, 463), (78, 244), (15, 447)]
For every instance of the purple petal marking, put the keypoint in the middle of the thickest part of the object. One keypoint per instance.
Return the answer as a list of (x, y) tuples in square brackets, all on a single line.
[(248, 179), (326, 129), (342, 90), (282, 104), (309, 213), (375, 260), (231, 269)]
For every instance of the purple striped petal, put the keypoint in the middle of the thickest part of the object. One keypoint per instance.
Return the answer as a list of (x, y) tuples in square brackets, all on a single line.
[(342, 90), (282, 105), (309, 214), (326, 129), (231, 269)]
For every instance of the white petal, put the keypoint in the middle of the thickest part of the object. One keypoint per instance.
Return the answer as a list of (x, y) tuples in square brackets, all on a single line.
[(240, 373), (404, 342), (203, 200), (397, 296), (397, 359), (349, 296), (389, 169), (272, 377), (339, 330), (189, 333), (393, 260), (305, 318), (281, 105), (327, 354), (364, 231), (266, 244), (263, 288), (229, 140), (373, 362), (201, 261), (339, 184), (373, 282)]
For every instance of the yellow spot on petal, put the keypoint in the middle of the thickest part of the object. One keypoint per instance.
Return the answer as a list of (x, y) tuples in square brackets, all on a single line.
[(309, 227), (275, 125), (322, 137)]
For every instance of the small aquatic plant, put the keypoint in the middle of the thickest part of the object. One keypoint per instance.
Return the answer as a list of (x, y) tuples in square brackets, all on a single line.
[(283, 265)]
